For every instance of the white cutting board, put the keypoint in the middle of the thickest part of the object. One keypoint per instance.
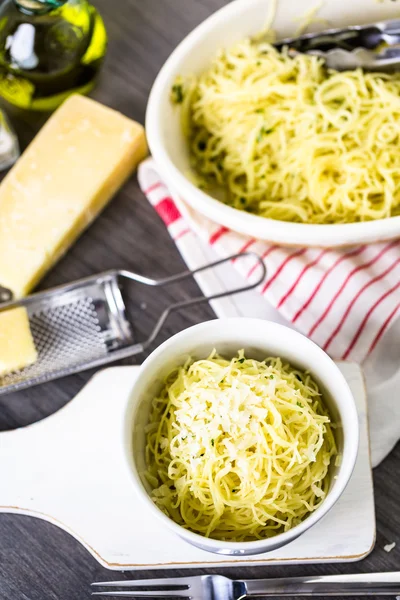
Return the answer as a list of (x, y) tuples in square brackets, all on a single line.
[(69, 469)]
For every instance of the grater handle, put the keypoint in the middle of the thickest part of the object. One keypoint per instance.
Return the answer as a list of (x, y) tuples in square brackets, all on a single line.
[(189, 273), (139, 347), (201, 299), (7, 302)]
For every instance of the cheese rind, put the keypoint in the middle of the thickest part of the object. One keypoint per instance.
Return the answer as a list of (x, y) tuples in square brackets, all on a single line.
[(17, 349), (62, 181)]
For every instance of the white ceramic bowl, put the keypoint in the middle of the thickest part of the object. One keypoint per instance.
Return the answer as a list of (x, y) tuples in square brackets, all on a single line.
[(260, 339), (234, 22)]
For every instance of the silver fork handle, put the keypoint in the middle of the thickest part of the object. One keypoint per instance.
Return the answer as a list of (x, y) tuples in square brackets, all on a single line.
[(362, 584)]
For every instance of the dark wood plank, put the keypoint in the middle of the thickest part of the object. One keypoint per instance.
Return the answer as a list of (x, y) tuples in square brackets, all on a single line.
[(38, 561)]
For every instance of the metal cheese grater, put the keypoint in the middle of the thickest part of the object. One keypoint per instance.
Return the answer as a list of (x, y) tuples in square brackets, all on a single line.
[(84, 324)]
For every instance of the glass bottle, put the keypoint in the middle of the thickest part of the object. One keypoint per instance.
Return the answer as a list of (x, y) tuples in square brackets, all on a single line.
[(49, 49)]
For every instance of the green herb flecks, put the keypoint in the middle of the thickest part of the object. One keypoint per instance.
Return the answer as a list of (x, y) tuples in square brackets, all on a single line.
[(263, 132), (177, 94)]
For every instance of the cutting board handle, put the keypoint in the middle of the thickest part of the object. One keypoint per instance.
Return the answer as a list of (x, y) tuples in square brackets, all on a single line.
[(62, 467)]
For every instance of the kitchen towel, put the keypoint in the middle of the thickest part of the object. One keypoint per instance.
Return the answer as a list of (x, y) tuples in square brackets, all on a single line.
[(346, 300)]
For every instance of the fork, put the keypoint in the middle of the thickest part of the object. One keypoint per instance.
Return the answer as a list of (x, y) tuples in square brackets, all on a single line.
[(217, 587)]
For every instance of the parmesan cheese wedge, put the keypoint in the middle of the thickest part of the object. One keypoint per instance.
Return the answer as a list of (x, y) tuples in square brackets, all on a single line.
[(62, 181), (17, 349), (66, 176)]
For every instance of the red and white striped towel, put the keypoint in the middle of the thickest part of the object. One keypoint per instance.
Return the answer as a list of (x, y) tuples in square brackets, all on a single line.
[(342, 299)]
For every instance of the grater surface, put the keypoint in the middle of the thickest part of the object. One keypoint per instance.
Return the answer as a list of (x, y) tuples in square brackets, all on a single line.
[(64, 336), (72, 331)]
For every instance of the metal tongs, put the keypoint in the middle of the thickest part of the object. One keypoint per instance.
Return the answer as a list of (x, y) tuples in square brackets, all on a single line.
[(84, 324), (371, 47)]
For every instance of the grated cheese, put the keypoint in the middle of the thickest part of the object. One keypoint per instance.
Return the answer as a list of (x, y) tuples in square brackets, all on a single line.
[(389, 547)]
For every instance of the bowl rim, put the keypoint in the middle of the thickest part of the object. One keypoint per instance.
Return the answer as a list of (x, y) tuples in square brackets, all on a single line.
[(284, 232), (345, 469)]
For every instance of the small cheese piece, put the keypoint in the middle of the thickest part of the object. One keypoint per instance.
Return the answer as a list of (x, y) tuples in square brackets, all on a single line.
[(62, 181), (17, 349)]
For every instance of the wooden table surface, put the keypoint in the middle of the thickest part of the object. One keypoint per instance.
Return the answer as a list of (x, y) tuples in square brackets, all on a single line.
[(38, 561)]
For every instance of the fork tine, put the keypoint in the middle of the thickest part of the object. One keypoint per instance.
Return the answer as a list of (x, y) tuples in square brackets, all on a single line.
[(141, 594), (136, 583)]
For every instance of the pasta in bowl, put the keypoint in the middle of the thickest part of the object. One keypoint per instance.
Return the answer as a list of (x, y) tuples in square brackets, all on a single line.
[(310, 162), (240, 452), (239, 449), (283, 137)]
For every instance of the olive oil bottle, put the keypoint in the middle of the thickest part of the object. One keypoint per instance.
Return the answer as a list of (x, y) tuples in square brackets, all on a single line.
[(49, 49)]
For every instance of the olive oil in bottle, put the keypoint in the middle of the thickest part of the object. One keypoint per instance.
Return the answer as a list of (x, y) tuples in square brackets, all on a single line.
[(49, 49)]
